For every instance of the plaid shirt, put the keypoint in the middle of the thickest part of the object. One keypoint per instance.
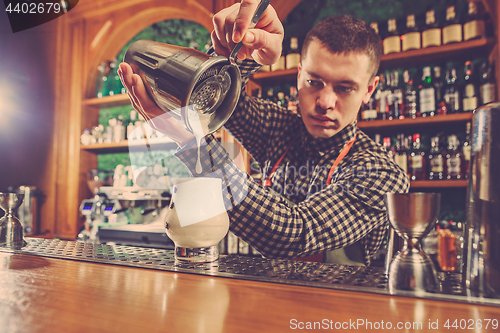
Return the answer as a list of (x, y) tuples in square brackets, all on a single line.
[(325, 217)]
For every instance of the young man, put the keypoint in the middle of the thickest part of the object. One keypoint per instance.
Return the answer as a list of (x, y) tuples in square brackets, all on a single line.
[(326, 194)]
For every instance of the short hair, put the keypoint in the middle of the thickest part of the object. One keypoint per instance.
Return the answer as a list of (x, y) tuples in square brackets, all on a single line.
[(345, 34)]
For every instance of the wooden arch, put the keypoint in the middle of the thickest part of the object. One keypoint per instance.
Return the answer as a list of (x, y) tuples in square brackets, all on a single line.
[(126, 29)]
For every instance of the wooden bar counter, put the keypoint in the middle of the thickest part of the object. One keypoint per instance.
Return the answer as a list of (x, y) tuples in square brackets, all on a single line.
[(40, 294)]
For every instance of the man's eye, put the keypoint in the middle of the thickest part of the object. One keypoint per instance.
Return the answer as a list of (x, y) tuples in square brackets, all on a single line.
[(345, 89), (315, 83)]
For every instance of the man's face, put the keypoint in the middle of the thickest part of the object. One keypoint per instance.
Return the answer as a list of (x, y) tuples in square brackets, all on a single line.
[(332, 87)]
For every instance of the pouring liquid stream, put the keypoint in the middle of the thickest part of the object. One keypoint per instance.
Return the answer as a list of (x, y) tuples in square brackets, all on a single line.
[(196, 125)]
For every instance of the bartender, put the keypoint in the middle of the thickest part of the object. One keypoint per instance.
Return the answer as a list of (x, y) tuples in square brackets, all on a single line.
[(325, 179)]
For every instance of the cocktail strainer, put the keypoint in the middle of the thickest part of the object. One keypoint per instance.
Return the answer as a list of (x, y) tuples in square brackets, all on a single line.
[(187, 82)]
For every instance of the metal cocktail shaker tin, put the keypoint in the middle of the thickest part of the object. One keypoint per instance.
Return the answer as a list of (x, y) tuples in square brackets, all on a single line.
[(481, 271), (184, 81)]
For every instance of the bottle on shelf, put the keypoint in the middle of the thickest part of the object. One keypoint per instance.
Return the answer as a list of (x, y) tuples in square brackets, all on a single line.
[(427, 94), (282, 100), (431, 35), (374, 26), (293, 100), (438, 83), (400, 157), (109, 134), (475, 23), (395, 100), (119, 130), (140, 123), (454, 159), (270, 95), (392, 42), (369, 110), (113, 81), (411, 39), (452, 31), (435, 160), (487, 86), (416, 160), (131, 124), (470, 94), (381, 96), (280, 64), (466, 149), (292, 59), (387, 145), (451, 92), (102, 76), (86, 137), (410, 96)]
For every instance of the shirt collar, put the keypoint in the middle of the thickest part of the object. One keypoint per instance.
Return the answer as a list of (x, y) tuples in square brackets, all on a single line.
[(332, 144)]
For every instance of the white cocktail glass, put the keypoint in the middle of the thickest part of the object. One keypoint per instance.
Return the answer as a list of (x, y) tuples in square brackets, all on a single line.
[(196, 220)]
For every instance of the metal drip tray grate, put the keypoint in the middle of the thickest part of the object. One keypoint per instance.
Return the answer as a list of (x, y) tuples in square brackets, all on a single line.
[(343, 277)]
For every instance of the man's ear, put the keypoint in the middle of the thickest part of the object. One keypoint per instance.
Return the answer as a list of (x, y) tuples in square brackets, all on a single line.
[(371, 88)]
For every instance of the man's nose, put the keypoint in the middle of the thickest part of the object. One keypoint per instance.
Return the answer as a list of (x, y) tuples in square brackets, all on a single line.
[(327, 98)]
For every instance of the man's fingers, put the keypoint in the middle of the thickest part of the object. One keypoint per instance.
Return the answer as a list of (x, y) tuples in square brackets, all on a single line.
[(243, 19), (218, 47), (223, 22)]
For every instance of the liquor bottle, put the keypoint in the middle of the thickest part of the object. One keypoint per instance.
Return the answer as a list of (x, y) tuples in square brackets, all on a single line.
[(293, 56), (454, 159), (435, 160), (475, 24), (400, 156), (387, 145), (438, 83), (470, 94), (487, 87), (374, 26), (119, 130), (381, 99), (293, 101), (417, 160), (411, 37), (392, 43), (280, 64), (395, 100), (427, 94), (451, 92), (452, 31), (281, 100), (270, 95), (466, 149), (408, 145), (369, 110), (410, 96), (431, 36)]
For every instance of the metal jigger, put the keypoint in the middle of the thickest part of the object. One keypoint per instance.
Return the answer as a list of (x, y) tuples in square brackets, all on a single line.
[(11, 229), (412, 215)]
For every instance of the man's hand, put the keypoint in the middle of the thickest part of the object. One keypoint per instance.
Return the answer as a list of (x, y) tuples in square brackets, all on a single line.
[(158, 119), (263, 43)]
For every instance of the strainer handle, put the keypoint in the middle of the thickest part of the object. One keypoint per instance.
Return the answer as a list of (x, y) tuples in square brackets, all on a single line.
[(256, 17)]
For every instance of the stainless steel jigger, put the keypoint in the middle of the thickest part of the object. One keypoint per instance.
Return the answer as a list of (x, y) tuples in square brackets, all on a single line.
[(11, 229), (412, 215)]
